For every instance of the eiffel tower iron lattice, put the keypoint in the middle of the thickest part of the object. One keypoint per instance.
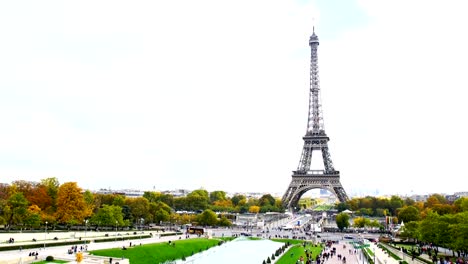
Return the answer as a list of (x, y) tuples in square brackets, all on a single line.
[(304, 178)]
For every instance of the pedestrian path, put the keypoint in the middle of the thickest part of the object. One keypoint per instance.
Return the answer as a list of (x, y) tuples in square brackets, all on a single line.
[(356, 256), (346, 251)]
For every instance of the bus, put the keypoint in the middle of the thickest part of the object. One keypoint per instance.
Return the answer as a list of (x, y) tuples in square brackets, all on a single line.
[(195, 230)]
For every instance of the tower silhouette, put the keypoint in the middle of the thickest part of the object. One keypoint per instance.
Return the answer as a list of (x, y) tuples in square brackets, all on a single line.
[(305, 178)]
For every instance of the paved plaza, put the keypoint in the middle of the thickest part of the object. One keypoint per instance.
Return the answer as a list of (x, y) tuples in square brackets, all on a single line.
[(343, 247)]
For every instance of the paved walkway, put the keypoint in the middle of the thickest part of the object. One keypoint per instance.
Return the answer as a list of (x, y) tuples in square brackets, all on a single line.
[(356, 256), (346, 250), (17, 256), (381, 257)]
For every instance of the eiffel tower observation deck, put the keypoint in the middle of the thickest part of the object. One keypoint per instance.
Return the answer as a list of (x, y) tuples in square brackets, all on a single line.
[(304, 178)]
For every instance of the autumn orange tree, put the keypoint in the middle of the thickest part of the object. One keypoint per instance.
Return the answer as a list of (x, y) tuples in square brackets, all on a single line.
[(71, 206)]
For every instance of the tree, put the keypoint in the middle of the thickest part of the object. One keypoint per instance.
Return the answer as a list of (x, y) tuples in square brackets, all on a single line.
[(139, 207), (461, 204), (217, 196), (428, 227), (52, 185), (223, 203), (5, 190), (395, 203), (119, 200), (409, 201), (408, 214), (208, 218), (254, 209), (266, 199), (160, 211), (16, 209), (41, 198), (342, 221), (33, 218), (24, 187), (108, 215), (197, 200), (224, 221), (237, 198), (71, 206), (443, 209), (161, 215), (89, 201), (361, 222), (459, 231), (410, 230), (341, 207), (159, 197)]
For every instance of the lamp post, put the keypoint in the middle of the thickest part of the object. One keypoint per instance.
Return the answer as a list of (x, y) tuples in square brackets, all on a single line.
[(141, 226), (45, 233), (116, 230), (86, 228), (374, 253)]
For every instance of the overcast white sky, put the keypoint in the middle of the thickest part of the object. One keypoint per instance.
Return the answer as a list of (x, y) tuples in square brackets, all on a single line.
[(214, 94)]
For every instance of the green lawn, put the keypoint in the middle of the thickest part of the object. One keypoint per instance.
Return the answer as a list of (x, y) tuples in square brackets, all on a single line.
[(323, 207), (160, 252), (407, 246), (297, 250), (53, 261), (285, 240)]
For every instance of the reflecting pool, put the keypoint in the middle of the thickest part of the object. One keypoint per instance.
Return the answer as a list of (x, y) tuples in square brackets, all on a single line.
[(240, 250)]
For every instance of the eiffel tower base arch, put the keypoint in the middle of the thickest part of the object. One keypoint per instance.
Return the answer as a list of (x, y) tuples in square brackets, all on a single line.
[(301, 183)]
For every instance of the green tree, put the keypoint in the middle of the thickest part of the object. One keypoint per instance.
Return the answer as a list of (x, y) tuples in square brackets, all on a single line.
[(342, 221), (108, 215), (160, 211), (361, 222), (139, 208), (224, 221), (458, 231), (237, 198), (266, 199), (33, 218), (217, 196), (16, 209), (409, 201), (341, 207), (161, 215), (461, 204), (395, 203), (119, 200), (428, 227), (408, 214), (159, 197), (197, 200), (208, 218), (410, 230)]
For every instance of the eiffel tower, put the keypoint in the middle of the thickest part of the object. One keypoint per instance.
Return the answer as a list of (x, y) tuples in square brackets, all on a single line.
[(304, 178)]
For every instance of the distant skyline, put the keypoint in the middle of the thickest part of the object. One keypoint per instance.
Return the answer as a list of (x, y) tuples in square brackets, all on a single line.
[(214, 94)]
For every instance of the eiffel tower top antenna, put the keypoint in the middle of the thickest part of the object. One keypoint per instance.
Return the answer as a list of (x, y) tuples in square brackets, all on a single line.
[(315, 118)]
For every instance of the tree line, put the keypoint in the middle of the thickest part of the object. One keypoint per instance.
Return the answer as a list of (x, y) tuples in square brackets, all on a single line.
[(435, 221), (25, 204)]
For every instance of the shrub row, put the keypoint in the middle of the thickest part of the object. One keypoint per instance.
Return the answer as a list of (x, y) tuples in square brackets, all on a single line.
[(75, 242)]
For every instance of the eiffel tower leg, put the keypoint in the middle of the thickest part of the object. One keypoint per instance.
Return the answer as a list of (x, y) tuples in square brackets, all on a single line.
[(327, 161), (340, 193), (288, 196)]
